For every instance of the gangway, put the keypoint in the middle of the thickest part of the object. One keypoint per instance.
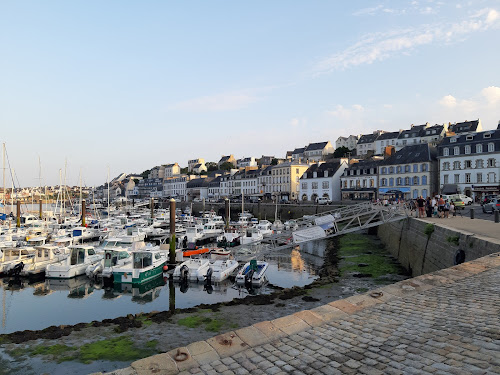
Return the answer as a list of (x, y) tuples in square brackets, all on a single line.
[(329, 224)]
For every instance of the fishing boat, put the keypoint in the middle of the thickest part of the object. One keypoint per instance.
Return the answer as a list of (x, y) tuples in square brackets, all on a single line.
[(220, 270), (147, 264), (113, 257), (219, 253), (192, 269), (36, 265), (264, 226), (229, 239), (80, 257), (12, 257), (252, 236), (252, 273), (83, 234)]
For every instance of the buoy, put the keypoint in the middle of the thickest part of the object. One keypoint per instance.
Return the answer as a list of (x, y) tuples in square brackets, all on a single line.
[(165, 268)]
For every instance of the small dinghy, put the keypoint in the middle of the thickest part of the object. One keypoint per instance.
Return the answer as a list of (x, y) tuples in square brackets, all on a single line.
[(220, 270), (252, 273), (192, 269)]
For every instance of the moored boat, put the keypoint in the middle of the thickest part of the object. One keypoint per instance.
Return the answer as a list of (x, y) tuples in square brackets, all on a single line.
[(252, 273), (80, 257), (147, 264)]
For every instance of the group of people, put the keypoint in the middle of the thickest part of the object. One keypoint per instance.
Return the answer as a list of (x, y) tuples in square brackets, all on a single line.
[(435, 206)]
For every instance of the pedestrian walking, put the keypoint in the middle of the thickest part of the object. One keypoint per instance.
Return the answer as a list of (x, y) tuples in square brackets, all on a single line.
[(421, 206)]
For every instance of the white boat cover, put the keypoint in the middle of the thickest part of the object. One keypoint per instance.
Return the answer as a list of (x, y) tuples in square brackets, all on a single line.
[(325, 222), (308, 234)]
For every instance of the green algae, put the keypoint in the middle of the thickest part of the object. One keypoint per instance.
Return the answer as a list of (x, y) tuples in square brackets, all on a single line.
[(210, 324), (214, 325), (54, 350), (145, 320), (361, 254), (120, 348)]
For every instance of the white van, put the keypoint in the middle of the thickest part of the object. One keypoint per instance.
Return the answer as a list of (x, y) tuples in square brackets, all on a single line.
[(323, 200)]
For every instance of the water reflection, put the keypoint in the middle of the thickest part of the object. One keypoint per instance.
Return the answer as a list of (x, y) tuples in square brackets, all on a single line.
[(55, 302)]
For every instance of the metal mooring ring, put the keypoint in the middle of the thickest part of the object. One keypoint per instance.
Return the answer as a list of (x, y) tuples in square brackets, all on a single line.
[(181, 356), (376, 294)]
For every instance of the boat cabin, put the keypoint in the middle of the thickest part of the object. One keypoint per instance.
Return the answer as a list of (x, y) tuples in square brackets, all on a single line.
[(111, 257), (80, 253)]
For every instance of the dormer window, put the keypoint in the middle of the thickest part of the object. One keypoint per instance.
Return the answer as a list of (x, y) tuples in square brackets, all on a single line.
[(487, 135), (469, 137), (453, 140)]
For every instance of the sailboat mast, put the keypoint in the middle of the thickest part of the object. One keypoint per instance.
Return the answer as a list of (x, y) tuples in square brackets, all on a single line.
[(108, 192), (3, 169)]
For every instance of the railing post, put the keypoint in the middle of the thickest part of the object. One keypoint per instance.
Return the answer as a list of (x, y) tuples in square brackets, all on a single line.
[(472, 213)]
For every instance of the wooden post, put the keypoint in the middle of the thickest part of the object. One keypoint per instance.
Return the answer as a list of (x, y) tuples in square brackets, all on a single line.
[(226, 202), (40, 210), (83, 212), (152, 205), (172, 231), (18, 224), (203, 205)]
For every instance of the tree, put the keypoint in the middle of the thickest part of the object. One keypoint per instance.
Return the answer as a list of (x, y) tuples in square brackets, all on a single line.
[(226, 166), (184, 170), (274, 161), (211, 166), (145, 173), (341, 152)]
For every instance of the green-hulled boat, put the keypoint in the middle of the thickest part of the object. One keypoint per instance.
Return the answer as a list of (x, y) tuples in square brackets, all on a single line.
[(147, 264)]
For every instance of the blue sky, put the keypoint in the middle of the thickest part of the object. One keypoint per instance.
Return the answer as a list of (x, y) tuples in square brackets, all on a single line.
[(129, 85)]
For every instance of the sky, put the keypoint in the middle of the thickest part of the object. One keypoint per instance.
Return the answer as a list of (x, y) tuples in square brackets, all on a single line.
[(88, 87)]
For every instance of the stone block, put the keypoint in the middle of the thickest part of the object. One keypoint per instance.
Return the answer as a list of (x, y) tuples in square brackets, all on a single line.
[(269, 329), (296, 327), (227, 344), (309, 317), (328, 313), (346, 306), (160, 364), (285, 321), (252, 336), (202, 352)]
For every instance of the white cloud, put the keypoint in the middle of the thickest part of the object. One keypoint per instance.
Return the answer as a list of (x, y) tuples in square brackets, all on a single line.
[(216, 103), (388, 106), (358, 107), (491, 94), (448, 101), (343, 113), (295, 122), (381, 46), (368, 11)]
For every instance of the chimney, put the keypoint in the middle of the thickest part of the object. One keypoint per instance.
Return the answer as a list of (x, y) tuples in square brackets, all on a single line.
[(389, 151)]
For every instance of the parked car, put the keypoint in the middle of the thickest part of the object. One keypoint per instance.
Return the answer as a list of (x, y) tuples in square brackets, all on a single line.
[(488, 198), (458, 203), (197, 200), (492, 206), (467, 200), (323, 200)]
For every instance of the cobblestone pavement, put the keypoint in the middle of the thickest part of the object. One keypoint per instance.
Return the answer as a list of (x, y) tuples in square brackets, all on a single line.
[(447, 322)]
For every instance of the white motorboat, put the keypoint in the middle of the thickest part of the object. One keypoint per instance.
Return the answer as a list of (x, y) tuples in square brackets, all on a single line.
[(42, 257), (264, 226), (252, 236), (147, 264), (113, 257), (83, 234), (229, 239), (277, 226), (252, 273), (220, 270), (75, 264), (191, 269), (14, 256)]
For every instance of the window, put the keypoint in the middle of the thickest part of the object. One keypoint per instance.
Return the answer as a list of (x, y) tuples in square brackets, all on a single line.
[(467, 164), (456, 165), (479, 163), (415, 194), (325, 184), (469, 137), (479, 178), (407, 180), (492, 177), (314, 185), (456, 179), (399, 181), (446, 166), (453, 140), (467, 178), (372, 183), (487, 135), (364, 183), (467, 149), (479, 149), (491, 147), (399, 169), (304, 185), (456, 150), (424, 180), (424, 193), (391, 181), (415, 168), (351, 183), (491, 163), (445, 179), (383, 182), (416, 180), (391, 169), (345, 184), (423, 168), (407, 168), (384, 170), (446, 151)]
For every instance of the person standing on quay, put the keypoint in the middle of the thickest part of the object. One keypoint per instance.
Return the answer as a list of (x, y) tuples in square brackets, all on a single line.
[(421, 206), (441, 206)]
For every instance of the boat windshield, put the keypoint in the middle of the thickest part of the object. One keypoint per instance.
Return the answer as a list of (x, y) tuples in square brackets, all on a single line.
[(110, 244), (77, 256), (142, 260)]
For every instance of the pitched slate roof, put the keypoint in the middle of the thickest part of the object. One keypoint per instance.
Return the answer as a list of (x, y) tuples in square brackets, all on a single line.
[(413, 154), (415, 131), (298, 151), (224, 159), (316, 146), (462, 127), (389, 135), (367, 138), (331, 167), (436, 128)]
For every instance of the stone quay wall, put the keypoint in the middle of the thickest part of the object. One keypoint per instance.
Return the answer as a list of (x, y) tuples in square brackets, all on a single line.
[(423, 247)]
